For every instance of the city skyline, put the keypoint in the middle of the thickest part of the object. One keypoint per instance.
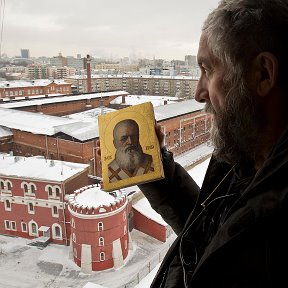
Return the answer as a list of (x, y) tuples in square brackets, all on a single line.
[(108, 29)]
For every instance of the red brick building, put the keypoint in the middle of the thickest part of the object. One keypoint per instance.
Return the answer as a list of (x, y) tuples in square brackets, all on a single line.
[(32, 197), (24, 89), (99, 228)]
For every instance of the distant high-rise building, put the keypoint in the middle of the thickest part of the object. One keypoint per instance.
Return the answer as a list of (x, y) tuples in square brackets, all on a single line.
[(25, 53), (58, 61), (190, 60)]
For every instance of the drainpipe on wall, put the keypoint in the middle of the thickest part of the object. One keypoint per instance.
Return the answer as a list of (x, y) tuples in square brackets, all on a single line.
[(64, 208)]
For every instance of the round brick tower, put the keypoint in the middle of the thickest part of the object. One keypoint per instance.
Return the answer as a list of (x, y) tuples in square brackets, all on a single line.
[(99, 233)]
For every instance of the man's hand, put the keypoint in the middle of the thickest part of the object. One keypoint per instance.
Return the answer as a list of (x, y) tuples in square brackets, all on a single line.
[(160, 135)]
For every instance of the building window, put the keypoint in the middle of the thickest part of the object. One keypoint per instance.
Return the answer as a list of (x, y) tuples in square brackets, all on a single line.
[(101, 241), (2, 185), (53, 191), (31, 208), (74, 237), (7, 225), (100, 226), (9, 186), (25, 187), (33, 188), (102, 256), (33, 228), (56, 231), (55, 211), (13, 225), (57, 191), (7, 205), (24, 227)]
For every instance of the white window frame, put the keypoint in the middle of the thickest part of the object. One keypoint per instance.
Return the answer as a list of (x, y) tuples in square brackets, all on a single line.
[(102, 256), (24, 225)]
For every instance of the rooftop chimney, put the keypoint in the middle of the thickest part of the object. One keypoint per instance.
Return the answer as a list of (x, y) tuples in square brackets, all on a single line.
[(88, 68)]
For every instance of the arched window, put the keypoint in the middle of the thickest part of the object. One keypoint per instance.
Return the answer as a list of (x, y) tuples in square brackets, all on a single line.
[(57, 191), (101, 241), (102, 256), (57, 231), (50, 191), (2, 185), (100, 226), (25, 186), (9, 185), (33, 188), (34, 228)]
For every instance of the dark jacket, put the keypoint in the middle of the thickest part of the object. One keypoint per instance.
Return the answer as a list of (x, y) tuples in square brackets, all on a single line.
[(249, 244)]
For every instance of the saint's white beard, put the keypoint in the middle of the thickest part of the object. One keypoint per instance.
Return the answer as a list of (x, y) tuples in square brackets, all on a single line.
[(129, 158)]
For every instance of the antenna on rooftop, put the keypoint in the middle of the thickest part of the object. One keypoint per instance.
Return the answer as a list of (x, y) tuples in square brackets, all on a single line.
[(101, 105)]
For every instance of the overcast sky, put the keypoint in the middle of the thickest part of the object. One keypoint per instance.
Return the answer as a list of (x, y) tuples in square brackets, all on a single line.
[(109, 28)]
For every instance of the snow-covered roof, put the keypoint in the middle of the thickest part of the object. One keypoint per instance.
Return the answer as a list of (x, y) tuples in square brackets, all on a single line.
[(90, 115), (144, 207), (82, 126), (67, 98), (94, 197), (4, 132), (137, 99), (175, 109), (38, 168), (32, 83), (80, 130), (32, 122)]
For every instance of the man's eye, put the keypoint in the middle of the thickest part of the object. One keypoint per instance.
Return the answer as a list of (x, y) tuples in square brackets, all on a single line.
[(205, 71)]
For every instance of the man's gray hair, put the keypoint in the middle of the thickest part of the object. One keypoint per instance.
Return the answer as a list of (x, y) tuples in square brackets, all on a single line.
[(238, 30)]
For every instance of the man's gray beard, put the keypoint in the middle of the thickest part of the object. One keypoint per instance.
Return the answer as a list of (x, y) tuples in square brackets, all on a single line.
[(236, 130), (129, 160)]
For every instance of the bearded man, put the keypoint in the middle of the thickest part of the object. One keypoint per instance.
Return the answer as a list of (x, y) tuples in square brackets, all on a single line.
[(232, 231), (129, 159)]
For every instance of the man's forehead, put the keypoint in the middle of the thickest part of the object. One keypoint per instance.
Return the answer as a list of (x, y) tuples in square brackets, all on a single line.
[(123, 127), (205, 55)]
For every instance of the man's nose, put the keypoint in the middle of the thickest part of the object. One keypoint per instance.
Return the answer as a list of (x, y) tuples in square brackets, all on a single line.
[(201, 94), (129, 140)]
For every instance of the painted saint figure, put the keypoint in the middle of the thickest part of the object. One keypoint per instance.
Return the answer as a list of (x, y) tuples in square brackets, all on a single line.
[(130, 160)]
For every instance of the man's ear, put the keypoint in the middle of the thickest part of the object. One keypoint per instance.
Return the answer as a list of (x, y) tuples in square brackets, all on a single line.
[(266, 71)]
